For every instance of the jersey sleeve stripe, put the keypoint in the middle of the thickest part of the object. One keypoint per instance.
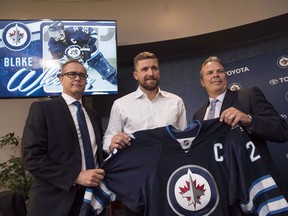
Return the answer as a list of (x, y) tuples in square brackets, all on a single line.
[(273, 206), (258, 187)]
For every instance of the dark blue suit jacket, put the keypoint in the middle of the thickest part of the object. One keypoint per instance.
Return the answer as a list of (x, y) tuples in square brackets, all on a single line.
[(267, 124), (51, 152)]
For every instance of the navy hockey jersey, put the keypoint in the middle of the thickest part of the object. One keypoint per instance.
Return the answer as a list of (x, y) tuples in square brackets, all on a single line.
[(203, 170), (84, 37)]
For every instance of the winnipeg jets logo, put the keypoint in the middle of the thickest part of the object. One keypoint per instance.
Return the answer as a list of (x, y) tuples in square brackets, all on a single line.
[(16, 36), (235, 86), (73, 52), (283, 61), (191, 190)]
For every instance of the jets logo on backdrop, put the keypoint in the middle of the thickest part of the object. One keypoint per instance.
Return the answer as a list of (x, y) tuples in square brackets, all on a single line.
[(191, 190), (235, 86), (283, 61), (16, 36)]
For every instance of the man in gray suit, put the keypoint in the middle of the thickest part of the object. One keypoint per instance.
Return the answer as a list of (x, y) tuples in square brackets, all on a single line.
[(52, 148), (247, 108)]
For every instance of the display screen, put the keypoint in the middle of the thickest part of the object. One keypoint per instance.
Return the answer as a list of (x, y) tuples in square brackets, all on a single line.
[(32, 52)]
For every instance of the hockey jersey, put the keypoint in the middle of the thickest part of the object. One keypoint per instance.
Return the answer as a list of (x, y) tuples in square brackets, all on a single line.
[(84, 37), (207, 169)]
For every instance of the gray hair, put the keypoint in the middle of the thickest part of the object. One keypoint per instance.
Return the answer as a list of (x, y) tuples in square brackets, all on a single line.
[(210, 59)]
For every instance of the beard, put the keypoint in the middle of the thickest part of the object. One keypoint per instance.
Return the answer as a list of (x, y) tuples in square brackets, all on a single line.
[(150, 86)]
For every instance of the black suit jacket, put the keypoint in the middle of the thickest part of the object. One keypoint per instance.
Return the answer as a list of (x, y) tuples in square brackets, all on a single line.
[(267, 124), (51, 153)]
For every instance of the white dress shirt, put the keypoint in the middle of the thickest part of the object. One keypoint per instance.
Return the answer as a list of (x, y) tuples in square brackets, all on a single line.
[(134, 112)]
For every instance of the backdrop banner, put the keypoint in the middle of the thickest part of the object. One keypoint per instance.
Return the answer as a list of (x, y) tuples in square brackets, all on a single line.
[(269, 72)]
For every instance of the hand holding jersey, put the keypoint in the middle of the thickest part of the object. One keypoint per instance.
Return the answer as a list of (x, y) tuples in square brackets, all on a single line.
[(119, 141), (233, 117)]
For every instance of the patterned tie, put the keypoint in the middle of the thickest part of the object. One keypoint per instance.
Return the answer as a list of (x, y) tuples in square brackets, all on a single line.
[(211, 113), (89, 158)]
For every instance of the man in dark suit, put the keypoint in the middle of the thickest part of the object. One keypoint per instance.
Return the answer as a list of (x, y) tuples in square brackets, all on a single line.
[(52, 148), (247, 108)]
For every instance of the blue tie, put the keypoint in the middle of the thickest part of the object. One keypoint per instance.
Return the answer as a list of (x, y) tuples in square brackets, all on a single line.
[(211, 113), (89, 158)]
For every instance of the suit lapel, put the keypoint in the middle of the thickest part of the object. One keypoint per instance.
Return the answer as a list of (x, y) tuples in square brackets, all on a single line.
[(203, 110), (228, 100), (66, 112)]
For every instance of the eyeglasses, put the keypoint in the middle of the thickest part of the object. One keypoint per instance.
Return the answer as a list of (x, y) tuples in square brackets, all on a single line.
[(73, 75)]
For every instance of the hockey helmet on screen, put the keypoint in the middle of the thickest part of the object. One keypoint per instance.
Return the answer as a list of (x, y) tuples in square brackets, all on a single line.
[(56, 26), (56, 30)]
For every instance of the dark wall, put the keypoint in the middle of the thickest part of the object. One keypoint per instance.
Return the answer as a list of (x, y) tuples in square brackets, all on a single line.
[(180, 59)]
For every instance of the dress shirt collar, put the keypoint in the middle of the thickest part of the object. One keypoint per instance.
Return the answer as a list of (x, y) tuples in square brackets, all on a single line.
[(219, 97), (68, 99), (140, 94)]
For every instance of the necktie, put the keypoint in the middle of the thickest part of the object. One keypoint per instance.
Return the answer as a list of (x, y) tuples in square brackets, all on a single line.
[(211, 113), (89, 158)]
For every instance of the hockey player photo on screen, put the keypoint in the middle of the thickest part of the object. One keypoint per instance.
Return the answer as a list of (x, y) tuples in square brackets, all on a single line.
[(92, 43)]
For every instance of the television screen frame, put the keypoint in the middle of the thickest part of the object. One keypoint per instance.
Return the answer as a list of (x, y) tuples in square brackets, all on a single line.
[(29, 68)]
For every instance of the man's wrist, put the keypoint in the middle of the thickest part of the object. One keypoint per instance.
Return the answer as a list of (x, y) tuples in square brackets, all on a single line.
[(110, 149), (250, 120), (250, 117)]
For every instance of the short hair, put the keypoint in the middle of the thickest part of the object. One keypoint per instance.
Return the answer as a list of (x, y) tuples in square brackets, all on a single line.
[(71, 61), (210, 59), (143, 56)]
